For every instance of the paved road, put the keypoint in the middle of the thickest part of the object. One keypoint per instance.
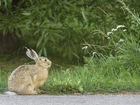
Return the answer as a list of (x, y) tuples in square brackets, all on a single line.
[(122, 99)]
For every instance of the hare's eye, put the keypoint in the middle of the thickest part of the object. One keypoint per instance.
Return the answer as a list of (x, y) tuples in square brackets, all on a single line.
[(45, 60)]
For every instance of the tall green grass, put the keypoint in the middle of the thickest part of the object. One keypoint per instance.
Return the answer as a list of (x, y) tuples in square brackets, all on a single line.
[(3, 81), (105, 77)]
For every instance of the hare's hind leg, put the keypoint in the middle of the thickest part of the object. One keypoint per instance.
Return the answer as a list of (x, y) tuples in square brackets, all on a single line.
[(28, 90)]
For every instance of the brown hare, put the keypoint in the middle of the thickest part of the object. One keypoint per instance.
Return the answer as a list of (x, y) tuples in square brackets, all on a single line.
[(26, 79)]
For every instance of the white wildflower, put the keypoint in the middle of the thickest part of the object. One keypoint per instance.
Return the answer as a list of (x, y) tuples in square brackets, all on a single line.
[(108, 37), (108, 33), (124, 30), (114, 29), (94, 53), (85, 47), (120, 26), (121, 40)]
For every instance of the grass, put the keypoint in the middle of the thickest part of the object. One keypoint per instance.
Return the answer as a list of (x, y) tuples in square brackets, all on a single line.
[(85, 79), (3, 81), (88, 79)]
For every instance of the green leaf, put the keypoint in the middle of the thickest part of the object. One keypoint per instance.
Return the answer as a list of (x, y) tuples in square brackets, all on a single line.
[(26, 13), (40, 52), (76, 55), (40, 40), (84, 16), (45, 52)]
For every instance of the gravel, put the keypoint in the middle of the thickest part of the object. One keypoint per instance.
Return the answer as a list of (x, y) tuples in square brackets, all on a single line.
[(120, 99)]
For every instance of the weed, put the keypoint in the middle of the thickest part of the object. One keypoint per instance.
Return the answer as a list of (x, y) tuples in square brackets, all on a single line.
[(3, 81)]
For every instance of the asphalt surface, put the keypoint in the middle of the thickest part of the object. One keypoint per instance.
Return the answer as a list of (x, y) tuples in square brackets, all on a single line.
[(121, 99)]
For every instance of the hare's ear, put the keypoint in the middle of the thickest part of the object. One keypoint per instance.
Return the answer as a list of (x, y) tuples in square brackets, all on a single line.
[(31, 53)]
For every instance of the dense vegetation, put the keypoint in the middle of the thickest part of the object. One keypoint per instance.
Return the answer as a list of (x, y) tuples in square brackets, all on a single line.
[(65, 27), (102, 33)]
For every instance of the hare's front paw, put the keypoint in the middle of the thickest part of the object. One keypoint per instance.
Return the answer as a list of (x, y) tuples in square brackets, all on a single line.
[(34, 92), (28, 92), (38, 90)]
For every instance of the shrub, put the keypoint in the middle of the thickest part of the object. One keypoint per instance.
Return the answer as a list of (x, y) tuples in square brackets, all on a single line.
[(65, 27)]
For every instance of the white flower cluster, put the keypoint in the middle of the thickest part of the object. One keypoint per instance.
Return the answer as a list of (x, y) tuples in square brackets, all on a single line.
[(115, 29), (93, 53), (85, 47), (121, 40)]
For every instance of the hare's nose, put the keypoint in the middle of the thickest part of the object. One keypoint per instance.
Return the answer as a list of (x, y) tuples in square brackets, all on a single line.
[(49, 62)]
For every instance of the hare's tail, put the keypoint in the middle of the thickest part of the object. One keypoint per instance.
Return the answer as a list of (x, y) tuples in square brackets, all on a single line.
[(10, 93)]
